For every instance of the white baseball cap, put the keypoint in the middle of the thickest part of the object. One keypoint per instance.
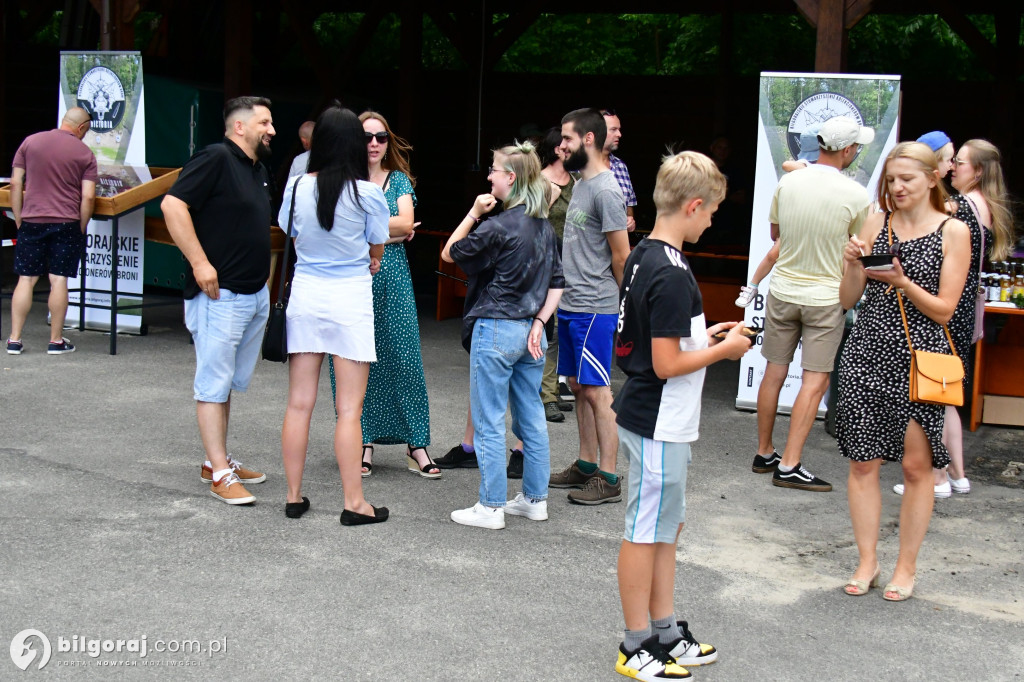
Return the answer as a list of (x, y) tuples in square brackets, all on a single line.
[(840, 132)]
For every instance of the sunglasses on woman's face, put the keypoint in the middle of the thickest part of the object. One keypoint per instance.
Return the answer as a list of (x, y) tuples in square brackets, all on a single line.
[(382, 137)]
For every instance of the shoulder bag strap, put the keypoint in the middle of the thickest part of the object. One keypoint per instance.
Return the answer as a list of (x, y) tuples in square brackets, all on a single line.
[(977, 218), (288, 243)]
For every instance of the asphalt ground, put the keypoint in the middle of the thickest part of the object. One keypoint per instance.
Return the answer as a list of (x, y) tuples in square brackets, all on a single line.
[(108, 534)]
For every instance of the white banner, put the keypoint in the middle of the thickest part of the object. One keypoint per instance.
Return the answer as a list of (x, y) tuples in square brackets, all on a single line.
[(109, 86), (790, 103)]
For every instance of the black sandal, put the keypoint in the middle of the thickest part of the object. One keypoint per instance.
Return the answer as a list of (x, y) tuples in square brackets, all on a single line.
[(415, 467), (366, 464)]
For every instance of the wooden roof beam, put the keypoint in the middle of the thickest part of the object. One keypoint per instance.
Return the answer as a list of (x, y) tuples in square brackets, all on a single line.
[(984, 50)]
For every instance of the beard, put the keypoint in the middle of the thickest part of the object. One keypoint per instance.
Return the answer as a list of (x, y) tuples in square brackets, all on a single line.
[(263, 152), (576, 160)]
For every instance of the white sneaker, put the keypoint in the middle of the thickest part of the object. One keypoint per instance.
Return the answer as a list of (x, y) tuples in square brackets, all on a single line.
[(959, 485), (480, 516), (942, 490), (747, 296), (535, 511)]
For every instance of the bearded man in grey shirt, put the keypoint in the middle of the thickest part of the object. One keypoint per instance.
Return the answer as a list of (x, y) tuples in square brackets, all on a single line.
[(594, 250)]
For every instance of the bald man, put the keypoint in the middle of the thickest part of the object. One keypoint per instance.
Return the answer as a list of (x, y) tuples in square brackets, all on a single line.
[(51, 216), (300, 162)]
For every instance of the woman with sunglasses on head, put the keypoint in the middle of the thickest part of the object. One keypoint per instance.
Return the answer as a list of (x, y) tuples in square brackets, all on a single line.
[(875, 418), (339, 222), (981, 203), (396, 410), (515, 284)]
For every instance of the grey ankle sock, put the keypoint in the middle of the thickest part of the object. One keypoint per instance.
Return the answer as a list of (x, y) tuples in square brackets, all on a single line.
[(634, 638), (785, 470), (666, 629)]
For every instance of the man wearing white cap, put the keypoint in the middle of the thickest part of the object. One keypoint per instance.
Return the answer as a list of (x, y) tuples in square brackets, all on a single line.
[(813, 214)]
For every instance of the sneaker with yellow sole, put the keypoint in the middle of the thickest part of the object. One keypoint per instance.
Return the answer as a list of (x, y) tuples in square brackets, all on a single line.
[(651, 663), (231, 491), (245, 475)]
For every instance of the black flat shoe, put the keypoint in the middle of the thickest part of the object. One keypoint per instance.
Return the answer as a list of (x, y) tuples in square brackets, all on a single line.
[(295, 510), (351, 518)]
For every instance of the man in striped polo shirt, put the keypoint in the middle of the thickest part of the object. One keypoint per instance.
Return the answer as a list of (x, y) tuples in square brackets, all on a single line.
[(814, 211)]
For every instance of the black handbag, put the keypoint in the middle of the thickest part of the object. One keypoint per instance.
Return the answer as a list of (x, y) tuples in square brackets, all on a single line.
[(275, 338)]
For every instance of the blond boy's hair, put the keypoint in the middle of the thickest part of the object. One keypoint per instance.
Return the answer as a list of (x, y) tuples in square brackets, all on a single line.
[(686, 176)]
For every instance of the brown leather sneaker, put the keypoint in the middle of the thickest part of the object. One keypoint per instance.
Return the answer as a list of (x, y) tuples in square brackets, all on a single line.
[(570, 477), (245, 475), (230, 490), (597, 491)]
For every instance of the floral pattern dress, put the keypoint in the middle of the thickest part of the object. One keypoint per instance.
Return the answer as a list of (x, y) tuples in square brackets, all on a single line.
[(395, 409), (874, 407)]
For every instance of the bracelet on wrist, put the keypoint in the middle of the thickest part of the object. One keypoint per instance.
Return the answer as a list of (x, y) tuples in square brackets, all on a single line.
[(540, 320), (472, 217)]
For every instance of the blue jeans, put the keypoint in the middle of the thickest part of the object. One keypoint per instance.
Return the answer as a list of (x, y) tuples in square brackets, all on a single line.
[(500, 368), (228, 335)]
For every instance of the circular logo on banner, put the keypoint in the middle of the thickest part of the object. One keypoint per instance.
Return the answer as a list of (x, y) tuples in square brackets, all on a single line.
[(812, 112), (101, 94)]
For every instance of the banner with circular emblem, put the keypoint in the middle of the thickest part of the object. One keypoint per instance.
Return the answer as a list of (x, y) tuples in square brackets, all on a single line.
[(792, 108), (109, 86)]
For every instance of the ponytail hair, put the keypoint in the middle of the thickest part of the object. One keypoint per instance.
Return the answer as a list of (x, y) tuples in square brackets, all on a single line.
[(529, 187)]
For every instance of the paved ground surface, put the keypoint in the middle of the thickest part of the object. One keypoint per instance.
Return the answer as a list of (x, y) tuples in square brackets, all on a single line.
[(108, 534)]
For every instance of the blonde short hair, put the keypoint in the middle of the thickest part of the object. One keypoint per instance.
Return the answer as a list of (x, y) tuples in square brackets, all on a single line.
[(686, 176)]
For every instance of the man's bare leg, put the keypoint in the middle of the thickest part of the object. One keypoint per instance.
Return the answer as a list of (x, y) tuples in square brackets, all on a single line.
[(58, 303), (805, 411), (213, 430), (21, 304), (768, 405)]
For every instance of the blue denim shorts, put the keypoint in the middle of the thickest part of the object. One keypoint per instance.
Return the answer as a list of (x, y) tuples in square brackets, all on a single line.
[(656, 502), (49, 248), (228, 335), (585, 346)]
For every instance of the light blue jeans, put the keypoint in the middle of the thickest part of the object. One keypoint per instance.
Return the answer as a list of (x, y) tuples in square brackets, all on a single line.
[(228, 335), (501, 370)]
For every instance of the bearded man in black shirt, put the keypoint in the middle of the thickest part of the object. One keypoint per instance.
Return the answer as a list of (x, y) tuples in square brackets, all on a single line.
[(218, 213)]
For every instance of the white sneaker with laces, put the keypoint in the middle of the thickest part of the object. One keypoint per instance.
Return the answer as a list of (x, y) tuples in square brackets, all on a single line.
[(747, 296), (942, 490), (533, 510), (480, 516), (959, 485)]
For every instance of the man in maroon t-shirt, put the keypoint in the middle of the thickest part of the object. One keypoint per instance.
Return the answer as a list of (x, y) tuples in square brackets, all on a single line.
[(60, 171)]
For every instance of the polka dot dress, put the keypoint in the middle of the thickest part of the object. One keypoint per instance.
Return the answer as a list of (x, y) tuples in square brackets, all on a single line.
[(874, 405), (961, 326), (395, 409)]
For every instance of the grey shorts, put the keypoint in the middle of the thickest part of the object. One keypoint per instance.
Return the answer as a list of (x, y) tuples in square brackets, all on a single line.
[(820, 327), (656, 502)]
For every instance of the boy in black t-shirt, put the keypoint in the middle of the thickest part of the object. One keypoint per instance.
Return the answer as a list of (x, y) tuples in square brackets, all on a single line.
[(663, 346)]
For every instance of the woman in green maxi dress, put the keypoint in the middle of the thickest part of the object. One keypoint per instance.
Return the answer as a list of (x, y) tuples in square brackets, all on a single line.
[(395, 410)]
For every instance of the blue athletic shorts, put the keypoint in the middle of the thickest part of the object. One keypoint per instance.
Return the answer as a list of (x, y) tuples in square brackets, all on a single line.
[(49, 248), (656, 500), (585, 342)]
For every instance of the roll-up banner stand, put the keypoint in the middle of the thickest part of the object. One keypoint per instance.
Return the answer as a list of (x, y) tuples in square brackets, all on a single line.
[(789, 104), (109, 86)]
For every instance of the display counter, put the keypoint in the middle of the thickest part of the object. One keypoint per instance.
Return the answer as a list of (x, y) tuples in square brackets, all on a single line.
[(997, 396)]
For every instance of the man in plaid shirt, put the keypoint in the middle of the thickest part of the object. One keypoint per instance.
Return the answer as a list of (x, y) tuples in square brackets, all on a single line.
[(619, 169)]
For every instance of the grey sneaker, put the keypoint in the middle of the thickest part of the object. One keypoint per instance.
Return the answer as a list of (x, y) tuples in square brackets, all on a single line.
[(597, 491), (552, 413), (570, 477)]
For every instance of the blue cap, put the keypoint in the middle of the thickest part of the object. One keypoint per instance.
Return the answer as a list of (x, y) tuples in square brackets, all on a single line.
[(935, 139), (809, 149)]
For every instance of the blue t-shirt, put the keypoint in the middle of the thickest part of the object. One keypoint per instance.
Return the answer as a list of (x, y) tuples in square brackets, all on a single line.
[(344, 251)]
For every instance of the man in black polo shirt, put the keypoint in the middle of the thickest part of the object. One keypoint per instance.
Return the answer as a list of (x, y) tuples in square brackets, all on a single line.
[(218, 213)]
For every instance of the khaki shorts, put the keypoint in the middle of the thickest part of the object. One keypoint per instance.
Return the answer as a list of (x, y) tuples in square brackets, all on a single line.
[(820, 327)]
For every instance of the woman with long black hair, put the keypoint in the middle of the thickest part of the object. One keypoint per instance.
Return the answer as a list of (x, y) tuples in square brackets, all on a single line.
[(340, 225)]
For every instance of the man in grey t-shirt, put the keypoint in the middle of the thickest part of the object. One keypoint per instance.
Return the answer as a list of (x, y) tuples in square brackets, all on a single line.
[(594, 250)]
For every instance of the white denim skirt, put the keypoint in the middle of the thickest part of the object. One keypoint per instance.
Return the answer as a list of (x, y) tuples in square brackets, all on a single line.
[(332, 315)]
